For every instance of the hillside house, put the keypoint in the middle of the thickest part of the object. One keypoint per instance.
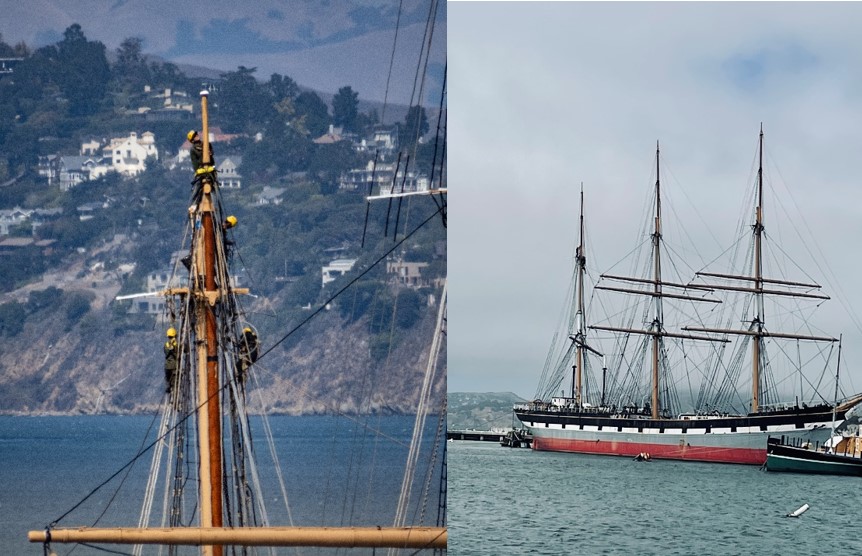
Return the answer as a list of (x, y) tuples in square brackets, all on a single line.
[(228, 172), (383, 177), (128, 155), (335, 269), (383, 139), (73, 170), (270, 196), (407, 273), (9, 218)]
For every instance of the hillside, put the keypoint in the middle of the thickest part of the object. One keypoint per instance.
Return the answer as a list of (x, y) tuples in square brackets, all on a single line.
[(481, 410)]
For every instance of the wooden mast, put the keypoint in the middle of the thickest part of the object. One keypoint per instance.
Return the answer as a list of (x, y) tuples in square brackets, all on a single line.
[(581, 262), (757, 325), (209, 426), (659, 317), (656, 329), (756, 330), (212, 536)]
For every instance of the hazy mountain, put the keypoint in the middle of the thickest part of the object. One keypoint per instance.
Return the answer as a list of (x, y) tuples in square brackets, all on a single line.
[(481, 410)]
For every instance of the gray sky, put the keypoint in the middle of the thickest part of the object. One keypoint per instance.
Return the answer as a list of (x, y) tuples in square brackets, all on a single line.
[(322, 45), (545, 96)]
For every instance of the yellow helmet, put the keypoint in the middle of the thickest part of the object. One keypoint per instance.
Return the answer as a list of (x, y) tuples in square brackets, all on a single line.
[(191, 135), (172, 333), (246, 330), (231, 221)]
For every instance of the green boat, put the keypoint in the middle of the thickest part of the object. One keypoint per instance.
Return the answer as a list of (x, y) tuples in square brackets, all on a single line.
[(844, 459)]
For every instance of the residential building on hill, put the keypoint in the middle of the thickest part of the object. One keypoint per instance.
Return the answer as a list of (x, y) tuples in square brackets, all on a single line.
[(407, 273), (228, 172), (383, 177), (335, 269)]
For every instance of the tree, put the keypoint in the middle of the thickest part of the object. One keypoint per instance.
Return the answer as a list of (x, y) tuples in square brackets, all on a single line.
[(242, 101), (345, 108), (415, 126), (282, 87), (83, 71), (316, 113), (131, 69)]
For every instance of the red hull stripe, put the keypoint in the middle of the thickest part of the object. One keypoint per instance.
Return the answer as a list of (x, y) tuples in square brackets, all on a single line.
[(747, 456)]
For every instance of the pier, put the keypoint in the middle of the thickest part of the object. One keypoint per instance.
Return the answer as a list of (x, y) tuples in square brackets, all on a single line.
[(510, 438)]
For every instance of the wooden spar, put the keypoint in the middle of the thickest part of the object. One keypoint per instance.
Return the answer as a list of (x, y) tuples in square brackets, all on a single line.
[(203, 408), (206, 159), (758, 284), (579, 333), (659, 316), (210, 425), (346, 537), (761, 334), (769, 292), (764, 280), (648, 281), (654, 333), (657, 294)]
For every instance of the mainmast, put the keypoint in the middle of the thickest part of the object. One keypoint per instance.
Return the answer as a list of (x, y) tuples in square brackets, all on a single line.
[(209, 406), (656, 329)]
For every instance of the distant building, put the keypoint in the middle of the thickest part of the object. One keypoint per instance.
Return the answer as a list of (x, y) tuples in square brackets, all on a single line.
[(383, 140), (129, 154), (73, 170), (407, 273), (383, 177), (49, 168), (10, 218), (334, 135), (335, 269), (270, 195), (228, 172)]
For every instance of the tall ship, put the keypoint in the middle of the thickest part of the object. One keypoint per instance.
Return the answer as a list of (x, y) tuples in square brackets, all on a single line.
[(699, 366), (204, 474)]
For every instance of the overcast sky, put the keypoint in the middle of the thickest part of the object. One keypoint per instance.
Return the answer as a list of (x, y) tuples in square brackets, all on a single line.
[(321, 45), (546, 96)]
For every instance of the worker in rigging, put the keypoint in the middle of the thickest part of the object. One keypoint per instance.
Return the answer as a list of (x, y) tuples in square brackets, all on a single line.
[(197, 154), (248, 351), (172, 352)]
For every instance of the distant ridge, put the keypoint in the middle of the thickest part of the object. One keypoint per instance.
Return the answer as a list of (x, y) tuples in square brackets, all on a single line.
[(481, 410)]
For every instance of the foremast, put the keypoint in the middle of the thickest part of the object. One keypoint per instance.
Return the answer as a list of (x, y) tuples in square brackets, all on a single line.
[(757, 330), (579, 336), (656, 329)]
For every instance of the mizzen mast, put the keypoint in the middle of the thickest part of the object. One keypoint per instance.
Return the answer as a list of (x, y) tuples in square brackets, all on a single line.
[(757, 330)]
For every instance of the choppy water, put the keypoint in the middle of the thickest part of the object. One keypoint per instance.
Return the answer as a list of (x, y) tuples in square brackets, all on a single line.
[(515, 501), (337, 471)]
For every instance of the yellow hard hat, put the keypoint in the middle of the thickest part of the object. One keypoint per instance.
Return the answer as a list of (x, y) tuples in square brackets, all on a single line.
[(172, 333), (231, 221), (191, 135), (246, 330)]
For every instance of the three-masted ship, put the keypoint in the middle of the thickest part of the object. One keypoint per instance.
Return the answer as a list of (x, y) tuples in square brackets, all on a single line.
[(206, 410), (628, 417)]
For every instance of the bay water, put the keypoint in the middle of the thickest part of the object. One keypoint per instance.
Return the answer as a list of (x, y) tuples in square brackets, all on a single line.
[(338, 470), (505, 501)]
